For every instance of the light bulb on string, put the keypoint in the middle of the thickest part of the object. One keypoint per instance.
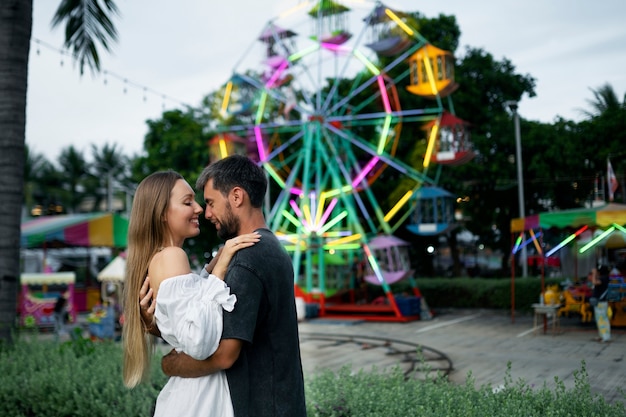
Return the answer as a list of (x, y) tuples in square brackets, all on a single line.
[(106, 74)]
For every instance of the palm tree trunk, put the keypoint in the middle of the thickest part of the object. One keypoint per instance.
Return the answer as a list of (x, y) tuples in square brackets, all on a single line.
[(15, 31)]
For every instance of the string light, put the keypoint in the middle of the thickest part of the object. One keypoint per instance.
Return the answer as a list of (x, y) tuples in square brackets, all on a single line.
[(108, 74)]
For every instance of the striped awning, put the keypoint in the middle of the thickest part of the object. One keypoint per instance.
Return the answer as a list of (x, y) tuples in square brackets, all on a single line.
[(86, 230)]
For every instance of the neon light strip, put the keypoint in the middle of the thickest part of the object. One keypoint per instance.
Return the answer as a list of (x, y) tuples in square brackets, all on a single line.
[(227, 92), (320, 206), (261, 109), (597, 239), (261, 148), (620, 228), (313, 204), (327, 212), (518, 242), (431, 143), (333, 222), (539, 251), (366, 62), (383, 136), (567, 240), (399, 21), (345, 189), (525, 243), (383, 93), (306, 51), (295, 208), (344, 239), (348, 246), (291, 218), (289, 238), (272, 81), (274, 175), (398, 205), (307, 217), (373, 263), (338, 233), (429, 71), (223, 150), (365, 171)]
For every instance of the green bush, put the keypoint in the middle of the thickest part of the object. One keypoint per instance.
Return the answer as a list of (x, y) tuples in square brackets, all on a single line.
[(83, 378), (373, 394), (489, 293), (75, 378)]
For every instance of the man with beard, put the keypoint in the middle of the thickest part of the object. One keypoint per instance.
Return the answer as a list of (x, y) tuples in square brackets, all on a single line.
[(260, 348)]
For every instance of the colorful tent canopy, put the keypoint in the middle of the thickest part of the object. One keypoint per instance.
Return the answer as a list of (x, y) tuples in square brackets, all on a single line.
[(115, 271), (601, 216), (88, 229)]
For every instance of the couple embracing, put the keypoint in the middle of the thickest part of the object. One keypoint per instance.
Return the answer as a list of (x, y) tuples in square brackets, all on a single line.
[(233, 327)]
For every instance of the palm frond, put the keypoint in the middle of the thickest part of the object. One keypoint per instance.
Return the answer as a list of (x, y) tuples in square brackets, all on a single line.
[(89, 24)]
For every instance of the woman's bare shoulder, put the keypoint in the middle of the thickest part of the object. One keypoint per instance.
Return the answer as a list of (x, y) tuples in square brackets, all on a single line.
[(169, 262)]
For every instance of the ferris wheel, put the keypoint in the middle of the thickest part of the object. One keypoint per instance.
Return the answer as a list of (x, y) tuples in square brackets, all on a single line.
[(318, 107)]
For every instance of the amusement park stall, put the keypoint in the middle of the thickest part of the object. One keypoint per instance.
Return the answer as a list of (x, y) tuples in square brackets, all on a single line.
[(587, 237), (39, 294), (87, 230)]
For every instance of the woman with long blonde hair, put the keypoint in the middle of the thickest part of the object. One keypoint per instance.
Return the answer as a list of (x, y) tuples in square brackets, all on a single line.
[(188, 310)]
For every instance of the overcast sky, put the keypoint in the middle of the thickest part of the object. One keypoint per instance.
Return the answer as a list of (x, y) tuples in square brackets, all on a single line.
[(173, 52)]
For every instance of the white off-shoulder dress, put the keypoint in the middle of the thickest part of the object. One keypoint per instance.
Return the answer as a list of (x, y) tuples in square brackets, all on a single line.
[(188, 313)]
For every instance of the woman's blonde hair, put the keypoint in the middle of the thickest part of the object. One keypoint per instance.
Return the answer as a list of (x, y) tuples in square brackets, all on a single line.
[(147, 232)]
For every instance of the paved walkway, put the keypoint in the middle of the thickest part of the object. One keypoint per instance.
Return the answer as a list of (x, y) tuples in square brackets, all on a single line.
[(482, 342)]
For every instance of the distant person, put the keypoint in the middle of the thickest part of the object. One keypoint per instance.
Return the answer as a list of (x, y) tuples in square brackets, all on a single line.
[(188, 308), (260, 347), (600, 279), (61, 316)]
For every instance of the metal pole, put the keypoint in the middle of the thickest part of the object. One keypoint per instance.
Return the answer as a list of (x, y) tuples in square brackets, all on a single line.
[(520, 182)]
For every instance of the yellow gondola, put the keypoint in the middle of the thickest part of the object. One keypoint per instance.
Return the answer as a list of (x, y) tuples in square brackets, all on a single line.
[(432, 72)]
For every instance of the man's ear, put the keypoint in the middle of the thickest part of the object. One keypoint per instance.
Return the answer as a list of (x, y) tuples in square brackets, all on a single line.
[(236, 196)]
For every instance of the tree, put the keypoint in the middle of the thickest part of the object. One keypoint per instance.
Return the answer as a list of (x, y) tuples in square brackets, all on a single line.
[(43, 193), (487, 183), (109, 170), (74, 172), (603, 135), (88, 24), (33, 164), (177, 141), (605, 100)]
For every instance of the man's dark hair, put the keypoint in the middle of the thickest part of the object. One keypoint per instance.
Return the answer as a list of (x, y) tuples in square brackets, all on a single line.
[(235, 171)]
